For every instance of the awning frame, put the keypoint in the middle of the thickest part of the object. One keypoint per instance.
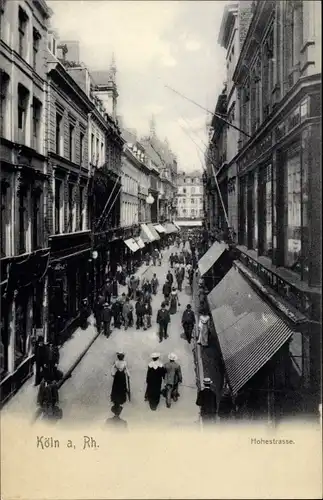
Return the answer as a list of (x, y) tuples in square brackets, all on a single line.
[(132, 244)]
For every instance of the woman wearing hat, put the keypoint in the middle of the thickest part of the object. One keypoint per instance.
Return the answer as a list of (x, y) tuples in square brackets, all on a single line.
[(154, 378), (121, 378), (173, 301), (173, 377)]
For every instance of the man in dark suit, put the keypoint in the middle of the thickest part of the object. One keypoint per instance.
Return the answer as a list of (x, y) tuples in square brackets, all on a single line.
[(163, 319), (206, 400)]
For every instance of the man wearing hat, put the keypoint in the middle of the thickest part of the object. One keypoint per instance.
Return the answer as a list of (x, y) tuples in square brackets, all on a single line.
[(106, 318), (173, 377), (154, 378), (206, 399)]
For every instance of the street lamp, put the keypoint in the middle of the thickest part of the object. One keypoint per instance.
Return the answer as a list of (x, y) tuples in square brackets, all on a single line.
[(150, 200)]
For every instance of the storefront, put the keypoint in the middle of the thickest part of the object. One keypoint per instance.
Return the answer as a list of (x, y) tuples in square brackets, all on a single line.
[(265, 348), (23, 316)]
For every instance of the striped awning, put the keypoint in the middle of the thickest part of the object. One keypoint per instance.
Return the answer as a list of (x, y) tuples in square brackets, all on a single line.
[(210, 257), (159, 228), (170, 228), (139, 242), (131, 243), (146, 234), (153, 231), (249, 331)]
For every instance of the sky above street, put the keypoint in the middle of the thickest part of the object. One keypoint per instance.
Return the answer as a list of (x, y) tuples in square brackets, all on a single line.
[(156, 43)]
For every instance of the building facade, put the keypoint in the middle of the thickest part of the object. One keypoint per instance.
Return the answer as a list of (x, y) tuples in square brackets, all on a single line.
[(278, 195), (24, 183), (69, 171), (189, 198)]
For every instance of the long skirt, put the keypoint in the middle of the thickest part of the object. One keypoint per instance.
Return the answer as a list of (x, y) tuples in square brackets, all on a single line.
[(173, 306), (119, 388)]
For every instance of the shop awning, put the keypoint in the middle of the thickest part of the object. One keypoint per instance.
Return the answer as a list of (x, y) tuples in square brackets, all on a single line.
[(176, 225), (170, 228), (153, 231), (139, 242), (210, 257), (132, 244), (146, 234), (249, 331), (159, 228)]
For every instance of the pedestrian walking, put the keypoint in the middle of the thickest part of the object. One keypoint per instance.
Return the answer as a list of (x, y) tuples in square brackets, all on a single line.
[(108, 290), (41, 359), (163, 320), (171, 260), (174, 302), (139, 313), (98, 311), (204, 330), (106, 318), (135, 286), (206, 400), (179, 279), (188, 322), (118, 273), (147, 258), (115, 287), (121, 380), (167, 288), (116, 311), (170, 278), (154, 284), (127, 308), (173, 377), (147, 313), (51, 371), (154, 378), (155, 255), (84, 313)]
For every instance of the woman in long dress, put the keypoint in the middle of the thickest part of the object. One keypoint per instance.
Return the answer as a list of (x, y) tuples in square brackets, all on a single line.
[(120, 386), (204, 330), (174, 302), (154, 378)]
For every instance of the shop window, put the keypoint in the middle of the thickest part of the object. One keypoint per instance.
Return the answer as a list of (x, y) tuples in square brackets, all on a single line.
[(5, 217), (296, 198), (81, 207), (4, 341), (58, 133), (265, 207), (21, 327), (37, 107), (58, 205), (92, 150), (4, 86), (23, 96), (22, 31), (255, 212), (22, 218), (36, 218), (243, 212), (70, 207)]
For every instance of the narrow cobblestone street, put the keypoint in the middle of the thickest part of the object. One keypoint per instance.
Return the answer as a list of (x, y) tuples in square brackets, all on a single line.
[(86, 396)]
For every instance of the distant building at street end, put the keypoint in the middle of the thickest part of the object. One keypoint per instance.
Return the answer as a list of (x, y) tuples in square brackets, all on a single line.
[(189, 197)]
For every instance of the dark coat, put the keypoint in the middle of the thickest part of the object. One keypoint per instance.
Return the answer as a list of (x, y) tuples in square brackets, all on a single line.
[(106, 315), (206, 399), (116, 308), (170, 278), (167, 289), (119, 388), (188, 317), (139, 308), (163, 316), (115, 288), (41, 354)]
